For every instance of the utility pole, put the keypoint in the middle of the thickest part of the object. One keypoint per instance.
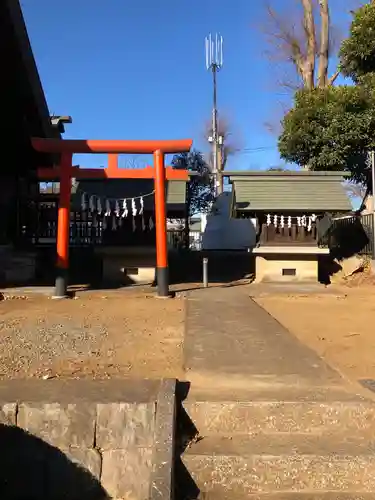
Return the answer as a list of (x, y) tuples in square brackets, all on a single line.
[(214, 62)]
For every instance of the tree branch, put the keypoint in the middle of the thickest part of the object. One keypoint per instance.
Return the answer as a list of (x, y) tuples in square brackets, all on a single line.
[(333, 78), (290, 46)]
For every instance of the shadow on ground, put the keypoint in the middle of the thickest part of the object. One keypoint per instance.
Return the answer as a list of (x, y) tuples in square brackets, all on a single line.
[(185, 487), (327, 268), (31, 469), (185, 267), (223, 266)]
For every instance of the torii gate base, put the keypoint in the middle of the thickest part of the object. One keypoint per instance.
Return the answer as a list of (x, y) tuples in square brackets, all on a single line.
[(65, 172)]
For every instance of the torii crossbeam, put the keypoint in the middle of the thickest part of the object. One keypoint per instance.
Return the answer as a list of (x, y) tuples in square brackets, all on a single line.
[(65, 172)]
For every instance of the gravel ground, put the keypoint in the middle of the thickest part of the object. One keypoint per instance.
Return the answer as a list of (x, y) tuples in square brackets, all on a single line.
[(97, 335)]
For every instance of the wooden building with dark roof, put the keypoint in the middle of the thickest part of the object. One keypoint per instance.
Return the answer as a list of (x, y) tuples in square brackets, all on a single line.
[(24, 115), (113, 212)]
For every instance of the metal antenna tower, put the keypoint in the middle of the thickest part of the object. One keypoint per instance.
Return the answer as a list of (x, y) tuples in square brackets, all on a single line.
[(214, 63)]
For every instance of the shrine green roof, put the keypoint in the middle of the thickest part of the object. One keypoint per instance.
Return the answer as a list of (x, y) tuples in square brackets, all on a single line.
[(119, 189), (308, 191)]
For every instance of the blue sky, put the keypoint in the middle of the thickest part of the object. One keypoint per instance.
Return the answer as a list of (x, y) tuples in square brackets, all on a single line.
[(135, 69)]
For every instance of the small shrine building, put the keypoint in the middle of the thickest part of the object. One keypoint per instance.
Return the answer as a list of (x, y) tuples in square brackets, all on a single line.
[(290, 213), (116, 218)]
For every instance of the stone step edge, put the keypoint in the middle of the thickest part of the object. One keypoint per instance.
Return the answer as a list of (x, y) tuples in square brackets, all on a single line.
[(289, 495), (267, 456), (282, 444), (355, 403), (257, 474), (285, 394)]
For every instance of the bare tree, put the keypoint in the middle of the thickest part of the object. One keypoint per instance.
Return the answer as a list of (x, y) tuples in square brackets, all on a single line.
[(230, 144), (134, 161), (277, 169), (357, 191), (304, 39)]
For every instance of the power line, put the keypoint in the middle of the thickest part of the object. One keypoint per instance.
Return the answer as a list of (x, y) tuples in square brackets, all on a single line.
[(259, 147), (256, 150)]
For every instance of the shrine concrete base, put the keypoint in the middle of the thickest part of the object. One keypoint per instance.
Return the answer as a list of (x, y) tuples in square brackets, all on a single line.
[(127, 266), (287, 264), (16, 267)]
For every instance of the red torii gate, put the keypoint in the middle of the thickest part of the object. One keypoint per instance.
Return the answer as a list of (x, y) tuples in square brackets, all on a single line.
[(65, 172)]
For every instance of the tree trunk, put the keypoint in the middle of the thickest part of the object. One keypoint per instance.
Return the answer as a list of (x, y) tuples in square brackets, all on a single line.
[(308, 66), (324, 44)]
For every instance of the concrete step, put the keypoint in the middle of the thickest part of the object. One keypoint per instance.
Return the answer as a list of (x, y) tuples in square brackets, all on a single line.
[(330, 495), (283, 444), (244, 465), (213, 386), (354, 415)]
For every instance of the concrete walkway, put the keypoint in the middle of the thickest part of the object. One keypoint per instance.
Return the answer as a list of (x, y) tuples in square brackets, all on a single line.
[(229, 336), (274, 420)]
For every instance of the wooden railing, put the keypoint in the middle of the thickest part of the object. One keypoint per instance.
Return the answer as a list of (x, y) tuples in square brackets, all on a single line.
[(288, 236), (352, 235), (86, 233)]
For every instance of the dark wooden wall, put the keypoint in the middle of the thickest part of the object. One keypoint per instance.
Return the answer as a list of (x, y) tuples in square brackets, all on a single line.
[(20, 119)]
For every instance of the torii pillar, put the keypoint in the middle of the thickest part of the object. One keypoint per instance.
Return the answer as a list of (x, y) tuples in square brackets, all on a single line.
[(65, 172)]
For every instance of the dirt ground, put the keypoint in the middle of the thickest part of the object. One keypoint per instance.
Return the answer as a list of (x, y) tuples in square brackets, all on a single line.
[(132, 334), (341, 328), (96, 335)]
